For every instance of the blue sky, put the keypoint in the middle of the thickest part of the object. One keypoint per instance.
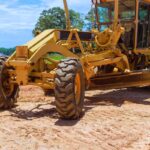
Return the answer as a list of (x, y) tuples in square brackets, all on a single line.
[(18, 17)]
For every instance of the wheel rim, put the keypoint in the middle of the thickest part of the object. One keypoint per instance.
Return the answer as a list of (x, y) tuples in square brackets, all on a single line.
[(77, 89)]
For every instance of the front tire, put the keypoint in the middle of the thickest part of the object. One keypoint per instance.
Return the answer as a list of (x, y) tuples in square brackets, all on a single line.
[(69, 89), (8, 92)]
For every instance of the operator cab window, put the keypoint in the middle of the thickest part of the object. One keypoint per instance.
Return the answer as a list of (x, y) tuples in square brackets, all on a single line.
[(127, 14), (105, 12), (144, 26), (127, 10)]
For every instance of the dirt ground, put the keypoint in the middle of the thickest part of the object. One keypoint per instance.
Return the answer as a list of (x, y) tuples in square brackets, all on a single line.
[(112, 120)]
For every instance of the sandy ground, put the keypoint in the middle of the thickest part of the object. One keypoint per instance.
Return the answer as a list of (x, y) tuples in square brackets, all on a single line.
[(113, 120)]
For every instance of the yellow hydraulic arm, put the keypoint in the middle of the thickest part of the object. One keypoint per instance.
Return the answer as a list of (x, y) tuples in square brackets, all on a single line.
[(68, 23)]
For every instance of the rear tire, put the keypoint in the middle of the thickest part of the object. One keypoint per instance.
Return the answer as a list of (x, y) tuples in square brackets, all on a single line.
[(8, 93), (69, 89)]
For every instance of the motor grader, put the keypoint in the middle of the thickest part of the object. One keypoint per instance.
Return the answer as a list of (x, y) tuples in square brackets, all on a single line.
[(114, 54)]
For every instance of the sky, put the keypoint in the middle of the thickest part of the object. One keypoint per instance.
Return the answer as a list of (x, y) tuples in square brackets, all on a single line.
[(18, 18)]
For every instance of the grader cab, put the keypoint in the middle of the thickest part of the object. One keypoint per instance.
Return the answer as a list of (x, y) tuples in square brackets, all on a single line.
[(133, 15), (115, 54)]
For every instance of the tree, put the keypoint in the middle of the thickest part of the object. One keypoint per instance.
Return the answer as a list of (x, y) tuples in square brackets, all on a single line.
[(54, 18), (76, 19), (90, 20), (6, 51)]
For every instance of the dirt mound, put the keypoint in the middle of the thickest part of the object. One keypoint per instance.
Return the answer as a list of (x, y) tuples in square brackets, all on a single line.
[(113, 120)]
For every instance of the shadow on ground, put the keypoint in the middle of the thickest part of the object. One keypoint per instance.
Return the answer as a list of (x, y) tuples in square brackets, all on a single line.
[(118, 97), (36, 112), (39, 112), (115, 98)]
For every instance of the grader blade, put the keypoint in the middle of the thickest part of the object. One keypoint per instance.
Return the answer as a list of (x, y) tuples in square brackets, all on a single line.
[(131, 79)]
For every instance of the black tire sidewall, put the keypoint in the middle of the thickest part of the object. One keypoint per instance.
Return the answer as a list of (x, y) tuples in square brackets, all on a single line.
[(12, 98), (65, 95)]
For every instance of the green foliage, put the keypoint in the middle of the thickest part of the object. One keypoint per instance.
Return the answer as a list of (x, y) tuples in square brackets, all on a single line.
[(7, 51), (50, 19), (90, 20), (54, 18), (76, 19), (55, 56)]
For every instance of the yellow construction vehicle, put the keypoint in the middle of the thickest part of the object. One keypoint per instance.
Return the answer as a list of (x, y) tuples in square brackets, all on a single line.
[(114, 55)]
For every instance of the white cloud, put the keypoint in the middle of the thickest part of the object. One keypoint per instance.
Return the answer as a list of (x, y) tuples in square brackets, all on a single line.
[(24, 16), (81, 5), (18, 17)]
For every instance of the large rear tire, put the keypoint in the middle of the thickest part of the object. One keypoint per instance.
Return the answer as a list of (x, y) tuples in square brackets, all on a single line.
[(69, 89), (8, 92)]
